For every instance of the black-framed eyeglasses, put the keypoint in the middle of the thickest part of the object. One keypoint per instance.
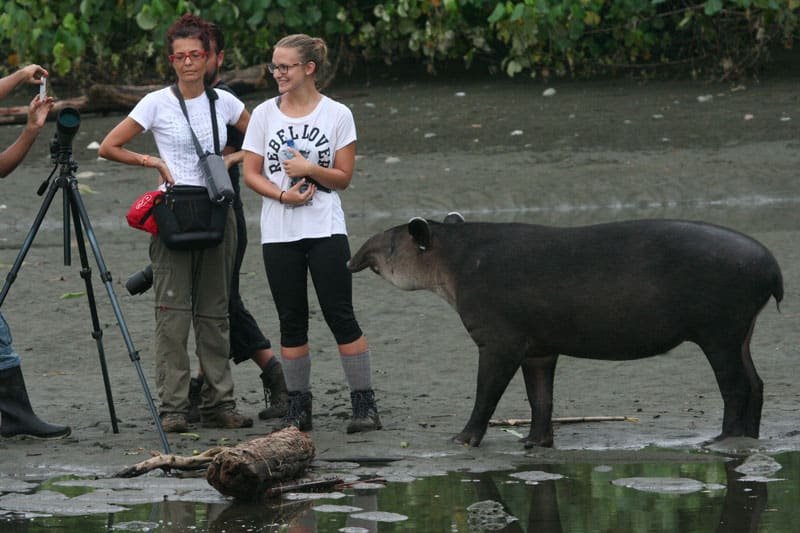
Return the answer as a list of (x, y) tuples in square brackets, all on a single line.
[(283, 69), (194, 55)]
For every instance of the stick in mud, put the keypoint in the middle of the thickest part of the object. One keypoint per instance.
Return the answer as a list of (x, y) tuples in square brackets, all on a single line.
[(563, 420)]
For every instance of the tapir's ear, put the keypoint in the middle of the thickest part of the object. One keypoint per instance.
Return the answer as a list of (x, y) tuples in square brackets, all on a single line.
[(420, 231), (454, 217)]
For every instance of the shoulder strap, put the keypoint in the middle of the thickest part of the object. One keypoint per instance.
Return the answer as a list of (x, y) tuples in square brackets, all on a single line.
[(212, 95)]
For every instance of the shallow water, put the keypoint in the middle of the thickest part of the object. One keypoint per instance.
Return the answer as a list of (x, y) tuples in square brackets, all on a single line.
[(697, 496)]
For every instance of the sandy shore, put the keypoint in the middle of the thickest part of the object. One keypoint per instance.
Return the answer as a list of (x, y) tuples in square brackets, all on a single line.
[(496, 151)]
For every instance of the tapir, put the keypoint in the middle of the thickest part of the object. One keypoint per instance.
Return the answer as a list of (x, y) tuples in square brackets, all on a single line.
[(616, 291)]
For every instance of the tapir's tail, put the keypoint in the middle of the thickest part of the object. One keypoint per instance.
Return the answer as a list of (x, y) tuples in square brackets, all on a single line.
[(777, 286)]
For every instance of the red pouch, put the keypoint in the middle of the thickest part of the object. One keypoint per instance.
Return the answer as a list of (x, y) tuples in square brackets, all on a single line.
[(140, 215)]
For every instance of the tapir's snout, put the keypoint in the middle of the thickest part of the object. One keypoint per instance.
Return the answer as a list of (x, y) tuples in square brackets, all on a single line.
[(361, 259)]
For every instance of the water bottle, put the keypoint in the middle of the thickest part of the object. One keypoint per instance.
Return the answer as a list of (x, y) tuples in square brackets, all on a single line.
[(284, 152)]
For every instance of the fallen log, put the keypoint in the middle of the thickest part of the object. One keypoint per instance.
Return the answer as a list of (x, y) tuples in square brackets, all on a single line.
[(105, 98), (18, 114), (247, 470), (563, 420)]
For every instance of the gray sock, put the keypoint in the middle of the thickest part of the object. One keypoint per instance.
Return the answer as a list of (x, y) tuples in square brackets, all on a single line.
[(357, 371), (297, 373)]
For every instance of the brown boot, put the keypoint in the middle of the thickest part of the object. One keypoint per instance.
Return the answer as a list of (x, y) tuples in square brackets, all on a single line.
[(276, 397), (174, 423), (226, 418)]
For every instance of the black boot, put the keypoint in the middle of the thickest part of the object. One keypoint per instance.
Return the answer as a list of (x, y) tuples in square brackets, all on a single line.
[(298, 412), (365, 412), (18, 416), (195, 387), (276, 397)]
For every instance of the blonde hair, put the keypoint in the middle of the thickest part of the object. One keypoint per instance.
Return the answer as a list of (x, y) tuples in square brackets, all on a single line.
[(310, 49)]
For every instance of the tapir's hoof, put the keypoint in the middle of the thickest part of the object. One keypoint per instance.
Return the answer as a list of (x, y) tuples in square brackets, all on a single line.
[(534, 443), (465, 439)]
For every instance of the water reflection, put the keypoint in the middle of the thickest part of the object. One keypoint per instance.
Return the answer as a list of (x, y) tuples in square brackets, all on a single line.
[(583, 500)]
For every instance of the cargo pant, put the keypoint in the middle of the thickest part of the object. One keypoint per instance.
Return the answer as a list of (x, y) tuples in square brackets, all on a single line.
[(192, 290)]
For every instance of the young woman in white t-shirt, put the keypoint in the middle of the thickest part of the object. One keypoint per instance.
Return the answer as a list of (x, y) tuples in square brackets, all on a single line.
[(302, 223)]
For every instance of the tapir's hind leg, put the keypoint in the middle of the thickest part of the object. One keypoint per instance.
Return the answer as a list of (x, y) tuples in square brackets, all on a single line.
[(539, 373), (741, 388), (752, 415)]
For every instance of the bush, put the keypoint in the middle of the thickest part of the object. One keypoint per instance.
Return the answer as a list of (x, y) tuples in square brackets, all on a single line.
[(121, 41)]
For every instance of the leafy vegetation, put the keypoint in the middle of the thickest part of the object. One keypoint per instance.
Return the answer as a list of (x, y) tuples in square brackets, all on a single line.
[(121, 41)]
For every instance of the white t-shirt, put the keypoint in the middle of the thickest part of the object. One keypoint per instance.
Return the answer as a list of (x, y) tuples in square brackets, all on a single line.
[(318, 136), (160, 112)]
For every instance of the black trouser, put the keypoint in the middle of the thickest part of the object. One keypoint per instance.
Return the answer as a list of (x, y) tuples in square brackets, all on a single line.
[(287, 265), (246, 336)]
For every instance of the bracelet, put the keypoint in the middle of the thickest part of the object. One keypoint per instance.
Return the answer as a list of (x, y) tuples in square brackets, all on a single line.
[(280, 198), (145, 160)]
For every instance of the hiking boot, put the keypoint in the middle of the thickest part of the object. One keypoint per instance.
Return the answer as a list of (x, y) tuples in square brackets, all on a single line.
[(195, 386), (365, 412), (227, 419), (174, 423), (276, 397), (298, 412)]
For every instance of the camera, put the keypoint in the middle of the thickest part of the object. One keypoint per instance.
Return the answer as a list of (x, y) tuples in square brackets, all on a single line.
[(68, 121), (139, 282)]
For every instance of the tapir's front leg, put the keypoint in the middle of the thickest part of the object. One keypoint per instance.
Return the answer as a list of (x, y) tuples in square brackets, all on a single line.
[(496, 367), (539, 373)]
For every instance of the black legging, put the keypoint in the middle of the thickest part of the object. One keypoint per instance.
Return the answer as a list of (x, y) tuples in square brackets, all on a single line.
[(246, 336), (287, 266)]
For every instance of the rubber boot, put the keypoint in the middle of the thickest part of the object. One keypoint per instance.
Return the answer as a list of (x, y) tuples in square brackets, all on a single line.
[(365, 412), (298, 412), (18, 416), (195, 386), (276, 397)]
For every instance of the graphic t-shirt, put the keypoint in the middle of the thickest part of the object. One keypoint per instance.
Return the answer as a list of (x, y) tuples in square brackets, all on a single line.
[(318, 136), (160, 112)]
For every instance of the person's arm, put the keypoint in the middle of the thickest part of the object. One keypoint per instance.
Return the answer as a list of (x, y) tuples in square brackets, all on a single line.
[(337, 177), (253, 178), (29, 74), (231, 155), (14, 154), (113, 148)]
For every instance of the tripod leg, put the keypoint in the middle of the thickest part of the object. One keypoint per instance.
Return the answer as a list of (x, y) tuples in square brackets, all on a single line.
[(105, 275), (26, 245), (97, 333)]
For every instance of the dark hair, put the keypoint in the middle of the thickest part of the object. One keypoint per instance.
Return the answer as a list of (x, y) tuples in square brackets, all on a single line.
[(215, 33), (310, 49), (189, 27)]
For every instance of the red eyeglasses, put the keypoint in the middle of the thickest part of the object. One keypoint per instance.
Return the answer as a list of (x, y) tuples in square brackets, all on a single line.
[(194, 55)]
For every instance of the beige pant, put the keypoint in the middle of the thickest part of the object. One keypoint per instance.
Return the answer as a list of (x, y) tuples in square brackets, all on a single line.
[(191, 289)]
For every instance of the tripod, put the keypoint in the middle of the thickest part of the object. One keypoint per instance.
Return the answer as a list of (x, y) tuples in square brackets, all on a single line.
[(73, 204)]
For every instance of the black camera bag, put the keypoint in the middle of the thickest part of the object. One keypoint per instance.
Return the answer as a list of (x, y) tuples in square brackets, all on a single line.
[(188, 220)]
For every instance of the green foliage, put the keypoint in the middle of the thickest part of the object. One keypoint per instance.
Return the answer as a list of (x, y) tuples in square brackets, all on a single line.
[(121, 41)]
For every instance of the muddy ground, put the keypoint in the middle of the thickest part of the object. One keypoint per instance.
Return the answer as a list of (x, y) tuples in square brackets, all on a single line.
[(496, 150)]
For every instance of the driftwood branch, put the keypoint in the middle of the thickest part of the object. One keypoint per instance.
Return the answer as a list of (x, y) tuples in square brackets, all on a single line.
[(102, 98), (563, 420), (168, 462)]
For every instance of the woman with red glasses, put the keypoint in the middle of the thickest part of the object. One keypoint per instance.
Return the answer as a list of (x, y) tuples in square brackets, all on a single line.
[(191, 286), (300, 151)]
